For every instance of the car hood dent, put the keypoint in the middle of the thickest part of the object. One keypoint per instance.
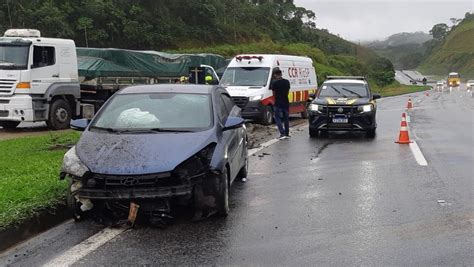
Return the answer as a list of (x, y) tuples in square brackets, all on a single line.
[(123, 154)]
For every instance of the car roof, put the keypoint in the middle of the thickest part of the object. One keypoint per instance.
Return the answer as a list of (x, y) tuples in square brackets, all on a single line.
[(169, 88), (345, 81)]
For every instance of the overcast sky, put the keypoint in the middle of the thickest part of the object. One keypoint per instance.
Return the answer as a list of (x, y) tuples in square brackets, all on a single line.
[(366, 20)]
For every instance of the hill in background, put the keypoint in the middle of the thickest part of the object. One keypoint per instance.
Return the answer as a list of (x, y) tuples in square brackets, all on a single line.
[(454, 53), (405, 50)]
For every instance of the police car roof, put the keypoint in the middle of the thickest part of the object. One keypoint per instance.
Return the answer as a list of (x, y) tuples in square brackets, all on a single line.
[(169, 88)]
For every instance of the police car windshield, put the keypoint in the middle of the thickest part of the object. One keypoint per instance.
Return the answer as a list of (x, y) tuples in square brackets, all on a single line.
[(344, 90), (245, 76)]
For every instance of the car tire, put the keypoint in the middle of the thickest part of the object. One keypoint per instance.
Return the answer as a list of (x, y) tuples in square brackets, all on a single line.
[(9, 125), (267, 116), (371, 133), (74, 207), (222, 197), (244, 170), (313, 133), (59, 115)]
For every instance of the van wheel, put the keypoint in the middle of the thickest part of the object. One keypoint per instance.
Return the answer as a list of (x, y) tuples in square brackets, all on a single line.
[(9, 125), (267, 117), (59, 115)]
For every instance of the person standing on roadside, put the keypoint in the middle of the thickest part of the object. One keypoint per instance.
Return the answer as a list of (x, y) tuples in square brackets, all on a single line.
[(281, 89)]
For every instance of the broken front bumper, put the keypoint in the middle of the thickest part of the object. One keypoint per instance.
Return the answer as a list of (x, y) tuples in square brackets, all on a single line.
[(135, 193)]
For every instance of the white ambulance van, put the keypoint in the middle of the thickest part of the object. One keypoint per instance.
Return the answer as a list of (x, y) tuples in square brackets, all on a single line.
[(248, 78)]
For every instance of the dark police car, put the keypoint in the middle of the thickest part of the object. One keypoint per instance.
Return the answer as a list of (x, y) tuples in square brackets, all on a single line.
[(343, 103)]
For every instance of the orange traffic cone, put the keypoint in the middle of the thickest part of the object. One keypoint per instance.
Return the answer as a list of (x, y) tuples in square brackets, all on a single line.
[(409, 104), (403, 137)]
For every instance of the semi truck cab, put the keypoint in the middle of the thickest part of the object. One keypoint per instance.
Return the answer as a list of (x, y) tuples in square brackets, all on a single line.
[(38, 79)]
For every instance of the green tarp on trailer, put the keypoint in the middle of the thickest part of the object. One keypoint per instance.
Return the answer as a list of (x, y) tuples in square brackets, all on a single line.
[(111, 62)]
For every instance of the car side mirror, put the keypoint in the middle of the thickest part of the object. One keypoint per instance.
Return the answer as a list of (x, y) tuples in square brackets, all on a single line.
[(376, 96), (233, 123), (79, 124)]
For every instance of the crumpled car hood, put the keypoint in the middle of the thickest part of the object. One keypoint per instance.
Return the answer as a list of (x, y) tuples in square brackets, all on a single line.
[(341, 101), (122, 154)]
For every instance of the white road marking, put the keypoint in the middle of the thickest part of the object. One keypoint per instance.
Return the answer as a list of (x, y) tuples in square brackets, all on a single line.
[(72, 255), (415, 149), (253, 151)]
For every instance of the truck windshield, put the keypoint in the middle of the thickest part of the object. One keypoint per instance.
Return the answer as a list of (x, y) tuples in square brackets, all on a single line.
[(344, 90), (245, 76), (14, 57)]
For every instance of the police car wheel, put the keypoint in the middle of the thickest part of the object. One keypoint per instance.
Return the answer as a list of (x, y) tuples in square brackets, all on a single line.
[(313, 133), (371, 133)]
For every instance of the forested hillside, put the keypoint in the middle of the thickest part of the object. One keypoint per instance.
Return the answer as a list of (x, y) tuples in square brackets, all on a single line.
[(453, 51), (203, 25)]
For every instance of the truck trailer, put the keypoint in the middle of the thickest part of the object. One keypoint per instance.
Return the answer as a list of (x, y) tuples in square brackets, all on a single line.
[(49, 79)]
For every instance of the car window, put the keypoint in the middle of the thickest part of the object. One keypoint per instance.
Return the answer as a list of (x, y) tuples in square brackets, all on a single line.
[(228, 102)]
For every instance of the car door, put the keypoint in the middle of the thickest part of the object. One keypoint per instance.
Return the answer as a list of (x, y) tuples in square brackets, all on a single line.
[(229, 137), (44, 70), (237, 143)]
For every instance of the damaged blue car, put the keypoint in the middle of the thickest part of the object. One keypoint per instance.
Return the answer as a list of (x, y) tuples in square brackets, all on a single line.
[(158, 147)]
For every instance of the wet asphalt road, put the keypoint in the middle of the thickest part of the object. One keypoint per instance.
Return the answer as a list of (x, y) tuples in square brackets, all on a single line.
[(340, 200)]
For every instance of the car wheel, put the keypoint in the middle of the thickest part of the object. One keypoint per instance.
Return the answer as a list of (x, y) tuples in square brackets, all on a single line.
[(371, 133), (9, 125), (313, 133), (223, 195), (244, 171), (59, 115), (73, 206), (267, 116)]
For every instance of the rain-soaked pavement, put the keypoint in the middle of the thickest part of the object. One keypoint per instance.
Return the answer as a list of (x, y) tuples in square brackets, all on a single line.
[(339, 200)]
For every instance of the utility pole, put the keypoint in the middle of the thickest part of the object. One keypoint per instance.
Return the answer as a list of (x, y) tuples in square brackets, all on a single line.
[(9, 15), (85, 33)]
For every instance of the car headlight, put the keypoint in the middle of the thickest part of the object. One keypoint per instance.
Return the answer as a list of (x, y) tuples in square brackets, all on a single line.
[(72, 165), (316, 107), (257, 97), (365, 108)]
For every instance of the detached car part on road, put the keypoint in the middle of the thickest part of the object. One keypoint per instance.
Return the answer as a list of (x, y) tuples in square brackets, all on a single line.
[(158, 146), (343, 104)]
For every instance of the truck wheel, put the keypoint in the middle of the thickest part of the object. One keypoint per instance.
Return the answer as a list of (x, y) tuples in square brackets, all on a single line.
[(223, 195), (9, 125), (59, 115), (267, 117)]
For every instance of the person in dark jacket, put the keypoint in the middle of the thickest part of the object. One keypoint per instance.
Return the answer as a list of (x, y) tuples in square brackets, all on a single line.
[(281, 89)]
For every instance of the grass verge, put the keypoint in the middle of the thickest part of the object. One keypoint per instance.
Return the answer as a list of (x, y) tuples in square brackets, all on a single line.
[(399, 89), (29, 175)]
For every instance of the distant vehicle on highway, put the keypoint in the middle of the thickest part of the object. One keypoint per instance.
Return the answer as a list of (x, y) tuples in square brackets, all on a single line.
[(343, 104), (454, 79), (470, 84), (413, 82), (440, 85), (248, 78), (157, 146)]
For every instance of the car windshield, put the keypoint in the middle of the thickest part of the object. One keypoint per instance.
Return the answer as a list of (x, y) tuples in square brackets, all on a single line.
[(344, 90), (248, 76), (156, 112), (13, 56)]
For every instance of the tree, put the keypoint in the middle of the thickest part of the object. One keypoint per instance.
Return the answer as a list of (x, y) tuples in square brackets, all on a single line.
[(439, 31)]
